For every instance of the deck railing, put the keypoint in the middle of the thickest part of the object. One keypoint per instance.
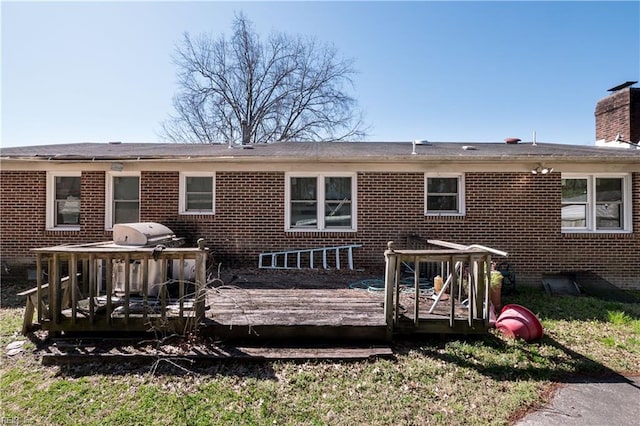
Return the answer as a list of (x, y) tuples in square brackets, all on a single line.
[(461, 267), (115, 288)]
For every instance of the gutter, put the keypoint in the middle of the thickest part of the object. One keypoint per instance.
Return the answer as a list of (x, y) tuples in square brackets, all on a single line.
[(291, 159)]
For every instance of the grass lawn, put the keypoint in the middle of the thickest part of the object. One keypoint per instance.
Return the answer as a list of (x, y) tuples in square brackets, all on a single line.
[(453, 381)]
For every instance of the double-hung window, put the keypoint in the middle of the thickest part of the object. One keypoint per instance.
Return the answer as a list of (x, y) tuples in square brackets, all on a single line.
[(123, 198), (320, 201), (596, 203), (444, 194), (197, 193), (63, 200)]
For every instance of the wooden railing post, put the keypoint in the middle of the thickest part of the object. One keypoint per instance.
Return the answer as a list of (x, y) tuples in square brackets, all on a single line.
[(84, 274), (454, 282), (39, 285), (92, 287), (201, 283), (127, 286), (181, 286), (55, 298), (389, 288), (73, 286), (487, 289), (145, 288), (163, 288), (416, 283), (109, 286)]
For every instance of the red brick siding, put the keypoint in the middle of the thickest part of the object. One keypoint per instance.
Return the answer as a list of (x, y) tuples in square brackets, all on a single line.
[(515, 212), (159, 196), (92, 207), (22, 210), (619, 113), (510, 211), (250, 219)]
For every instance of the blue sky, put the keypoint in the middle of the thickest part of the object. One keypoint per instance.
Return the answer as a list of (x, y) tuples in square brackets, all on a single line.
[(442, 71)]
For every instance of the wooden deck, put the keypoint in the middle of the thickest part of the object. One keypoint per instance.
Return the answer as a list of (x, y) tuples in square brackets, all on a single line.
[(122, 291), (301, 315), (333, 314)]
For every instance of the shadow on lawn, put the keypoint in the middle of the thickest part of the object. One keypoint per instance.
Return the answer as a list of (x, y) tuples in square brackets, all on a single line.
[(566, 366), (570, 308)]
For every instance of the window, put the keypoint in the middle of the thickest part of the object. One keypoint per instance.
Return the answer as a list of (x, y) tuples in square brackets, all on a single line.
[(596, 203), (320, 202), (63, 200), (444, 194), (123, 198), (197, 193)]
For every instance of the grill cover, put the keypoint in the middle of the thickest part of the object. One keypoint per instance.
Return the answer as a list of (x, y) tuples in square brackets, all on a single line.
[(142, 234)]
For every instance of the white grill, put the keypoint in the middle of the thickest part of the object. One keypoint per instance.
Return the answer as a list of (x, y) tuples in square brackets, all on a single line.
[(143, 234)]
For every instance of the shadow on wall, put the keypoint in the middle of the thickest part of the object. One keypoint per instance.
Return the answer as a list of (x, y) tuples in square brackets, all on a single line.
[(186, 230)]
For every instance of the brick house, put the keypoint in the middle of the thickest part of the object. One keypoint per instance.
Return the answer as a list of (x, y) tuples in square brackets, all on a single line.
[(579, 211)]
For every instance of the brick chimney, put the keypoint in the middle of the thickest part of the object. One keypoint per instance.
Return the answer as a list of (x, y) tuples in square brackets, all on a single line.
[(619, 114)]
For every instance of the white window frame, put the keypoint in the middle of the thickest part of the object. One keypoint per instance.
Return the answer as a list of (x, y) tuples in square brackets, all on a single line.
[(627, 210), (51, 201), (108, 209), (461, 194), (183, 193), (320, 224)]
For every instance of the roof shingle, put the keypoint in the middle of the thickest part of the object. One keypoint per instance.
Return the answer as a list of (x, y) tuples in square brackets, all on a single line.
[(337, 151)]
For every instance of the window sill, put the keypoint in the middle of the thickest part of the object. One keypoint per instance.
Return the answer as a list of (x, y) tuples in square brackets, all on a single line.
[(64, 229), (330, 230), (577, 235), (445, 217), (589, 232), (197, 213)]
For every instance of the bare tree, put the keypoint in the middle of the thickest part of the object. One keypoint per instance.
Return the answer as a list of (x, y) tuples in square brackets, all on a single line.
[(244, 90)]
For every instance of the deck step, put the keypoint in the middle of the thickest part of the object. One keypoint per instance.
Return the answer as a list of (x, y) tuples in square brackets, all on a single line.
[(57, 353)]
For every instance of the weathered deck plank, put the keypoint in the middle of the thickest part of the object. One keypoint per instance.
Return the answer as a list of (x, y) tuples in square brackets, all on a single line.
[(317, 313), (128, 351)]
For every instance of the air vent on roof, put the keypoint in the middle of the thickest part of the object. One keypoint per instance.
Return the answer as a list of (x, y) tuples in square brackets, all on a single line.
[(512, 140), (418, 142), (115, 142)]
